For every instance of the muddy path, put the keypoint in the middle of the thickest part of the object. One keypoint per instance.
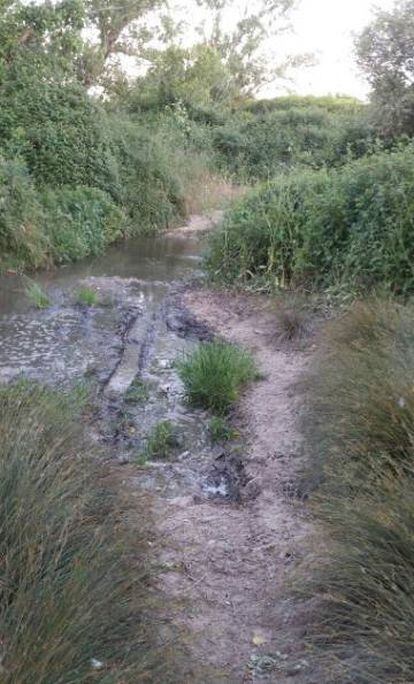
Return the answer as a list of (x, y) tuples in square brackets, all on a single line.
[(229, 523), (230, 561)]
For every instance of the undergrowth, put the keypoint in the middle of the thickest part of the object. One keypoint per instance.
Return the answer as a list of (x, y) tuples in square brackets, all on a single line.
[(349, 228), (73, 585), (359, 431)]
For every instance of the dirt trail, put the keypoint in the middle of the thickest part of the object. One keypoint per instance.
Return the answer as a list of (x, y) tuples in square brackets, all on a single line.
[(229, 564)]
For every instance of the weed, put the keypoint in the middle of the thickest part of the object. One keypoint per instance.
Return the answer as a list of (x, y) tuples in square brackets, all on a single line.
[(86, 296), (220, 430), (161, 441), (35, 293), (214, 374), (138, 392)]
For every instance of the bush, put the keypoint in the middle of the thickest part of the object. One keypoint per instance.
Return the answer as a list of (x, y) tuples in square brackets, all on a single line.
[(58, 130), (68, 597), (80, 222), (22, 238), (351, 227), (275, 140), (359, 431), (214, 374)]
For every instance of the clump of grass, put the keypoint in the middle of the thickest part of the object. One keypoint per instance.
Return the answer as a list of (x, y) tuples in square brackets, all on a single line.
[(137, 392), (220, 430), (35, 293), (86, 296), (292, 320), (214, 374), (360, 431), (67, 594), (161, 441)]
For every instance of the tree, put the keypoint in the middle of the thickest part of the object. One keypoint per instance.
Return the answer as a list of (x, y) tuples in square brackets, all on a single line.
[(385, 52), (241, 47)]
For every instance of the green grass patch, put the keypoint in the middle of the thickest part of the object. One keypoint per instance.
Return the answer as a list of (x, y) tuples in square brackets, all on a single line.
[(138, 392), (214, 374), (86, 296), (36, 294), (348, 229), (161, 442)]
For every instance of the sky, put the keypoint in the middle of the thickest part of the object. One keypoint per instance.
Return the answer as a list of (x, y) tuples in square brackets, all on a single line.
[(325, 28)]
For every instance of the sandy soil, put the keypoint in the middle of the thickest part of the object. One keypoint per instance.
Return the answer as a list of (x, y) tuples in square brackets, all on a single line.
[(229, 565)]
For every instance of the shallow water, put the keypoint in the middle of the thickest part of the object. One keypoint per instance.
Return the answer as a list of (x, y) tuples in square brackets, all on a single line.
[(67, 339)]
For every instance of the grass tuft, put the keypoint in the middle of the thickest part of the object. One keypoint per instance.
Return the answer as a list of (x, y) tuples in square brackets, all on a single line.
[(214, 374), (138, 392), (69, 591), (220, 430), (292, 320), (86, 296), (161, 441), (35, 293)]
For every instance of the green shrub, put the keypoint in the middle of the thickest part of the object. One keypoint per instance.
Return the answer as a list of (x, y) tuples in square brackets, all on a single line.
[(351, 227), (22, 238), (275, 140), (68, 596), (214, 374), (80, 222), (359, 431), (61, 133)]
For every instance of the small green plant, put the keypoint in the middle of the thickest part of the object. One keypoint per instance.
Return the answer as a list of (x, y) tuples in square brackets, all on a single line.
[(160, 442), (220, 430), (137, 392), (35, 293), (86, 296), (214, 374)]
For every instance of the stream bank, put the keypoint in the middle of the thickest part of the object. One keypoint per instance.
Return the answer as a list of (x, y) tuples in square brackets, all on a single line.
[(228, 521)]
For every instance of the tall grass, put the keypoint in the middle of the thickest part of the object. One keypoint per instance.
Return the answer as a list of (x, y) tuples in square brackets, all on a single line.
[(360, 435), (72, 584), (214, 374)]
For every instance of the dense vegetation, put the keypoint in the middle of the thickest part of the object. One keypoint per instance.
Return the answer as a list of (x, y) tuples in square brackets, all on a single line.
[(347, 228), (359, 426), (73, 581)]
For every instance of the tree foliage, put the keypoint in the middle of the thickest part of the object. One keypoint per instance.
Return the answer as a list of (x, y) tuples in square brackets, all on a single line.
[(386, 54)]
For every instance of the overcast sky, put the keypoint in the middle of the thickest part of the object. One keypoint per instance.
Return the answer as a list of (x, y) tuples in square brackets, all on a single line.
[(325, 27)]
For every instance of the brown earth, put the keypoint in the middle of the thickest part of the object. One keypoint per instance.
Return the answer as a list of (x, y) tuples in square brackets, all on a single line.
[(228, 565)]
